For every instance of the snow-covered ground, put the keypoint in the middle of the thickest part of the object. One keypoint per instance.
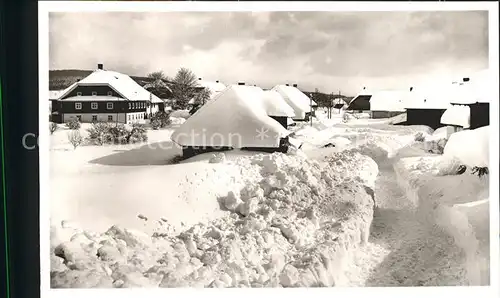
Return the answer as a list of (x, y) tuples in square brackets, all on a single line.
[(124, 216)]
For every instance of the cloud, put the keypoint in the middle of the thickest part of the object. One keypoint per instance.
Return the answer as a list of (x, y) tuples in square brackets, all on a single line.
[(317, 49)]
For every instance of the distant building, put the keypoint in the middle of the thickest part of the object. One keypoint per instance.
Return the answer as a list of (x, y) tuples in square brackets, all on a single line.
[(105, 96), (361, 102), (302, 104)]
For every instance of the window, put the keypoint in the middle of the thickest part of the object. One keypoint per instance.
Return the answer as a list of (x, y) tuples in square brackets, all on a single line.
[(109, 105), (78, 105), (93, 105), (129, 106), (110, 93), (94, 118), (110, 117), (133, 105), (94, 93), (78, 94), (79, 117)]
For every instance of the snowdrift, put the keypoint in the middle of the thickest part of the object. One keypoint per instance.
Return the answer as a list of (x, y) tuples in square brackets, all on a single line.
[(294, 227), (471, 147)]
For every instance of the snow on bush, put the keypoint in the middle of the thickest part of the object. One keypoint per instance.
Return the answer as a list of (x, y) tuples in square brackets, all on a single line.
[(177, 120), (74, 124), (294, 227), (218, 157)]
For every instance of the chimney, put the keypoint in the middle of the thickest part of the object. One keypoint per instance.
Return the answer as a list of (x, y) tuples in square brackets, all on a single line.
[(466, 79), (241, 83), (100, 66), (255, 85), (217, 82), (411, 88), (364, 88), (295, 85), (199, 79), (287, 85)]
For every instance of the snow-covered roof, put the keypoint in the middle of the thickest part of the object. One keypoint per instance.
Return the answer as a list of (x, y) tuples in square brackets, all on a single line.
[(458, 115), (388, 100), (477, 90), (275, 105), (214, 87), (231, 119), (55, 94), (440, 95), (295, 99), (121, 83), (430, 97)]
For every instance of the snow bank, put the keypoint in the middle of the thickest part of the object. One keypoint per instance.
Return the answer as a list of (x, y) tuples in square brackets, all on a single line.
[(457, 115), (455, 203), (471, 147), (294, 227)]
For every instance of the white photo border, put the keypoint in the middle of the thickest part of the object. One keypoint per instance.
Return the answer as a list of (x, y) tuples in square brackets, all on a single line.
[(45, 7)]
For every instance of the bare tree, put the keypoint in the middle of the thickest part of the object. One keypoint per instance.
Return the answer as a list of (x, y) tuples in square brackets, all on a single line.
[(184, 88), (75, 138)]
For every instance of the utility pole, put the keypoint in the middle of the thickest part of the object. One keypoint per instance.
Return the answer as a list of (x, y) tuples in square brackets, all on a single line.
[(310, 109)]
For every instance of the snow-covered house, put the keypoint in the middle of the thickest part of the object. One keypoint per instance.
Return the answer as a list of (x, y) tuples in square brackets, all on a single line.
[(388, 103), (277, 108), (105, 96), (231, 120), (301, 103), (213, 87), (469, 102), (425, 105)]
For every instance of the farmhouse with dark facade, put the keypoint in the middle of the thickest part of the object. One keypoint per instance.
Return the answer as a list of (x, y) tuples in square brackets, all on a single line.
[(103, 96)]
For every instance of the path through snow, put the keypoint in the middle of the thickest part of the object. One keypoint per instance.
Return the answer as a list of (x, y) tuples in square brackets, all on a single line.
[(401, 250)]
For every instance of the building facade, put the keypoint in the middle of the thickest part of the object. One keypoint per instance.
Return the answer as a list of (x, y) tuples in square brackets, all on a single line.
[(104, 96)]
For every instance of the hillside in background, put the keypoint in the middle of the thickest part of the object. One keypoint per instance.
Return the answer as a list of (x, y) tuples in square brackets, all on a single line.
[(61, 79)]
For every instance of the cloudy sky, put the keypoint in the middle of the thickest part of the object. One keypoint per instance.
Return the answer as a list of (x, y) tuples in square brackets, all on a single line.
[(324, 50)]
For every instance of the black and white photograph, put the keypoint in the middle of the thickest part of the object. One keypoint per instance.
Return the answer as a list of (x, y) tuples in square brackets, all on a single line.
[(268, 149)]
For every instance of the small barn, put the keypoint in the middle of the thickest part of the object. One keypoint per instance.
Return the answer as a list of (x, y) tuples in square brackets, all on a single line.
[(361, 102), (231, 120), (300, 103)]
